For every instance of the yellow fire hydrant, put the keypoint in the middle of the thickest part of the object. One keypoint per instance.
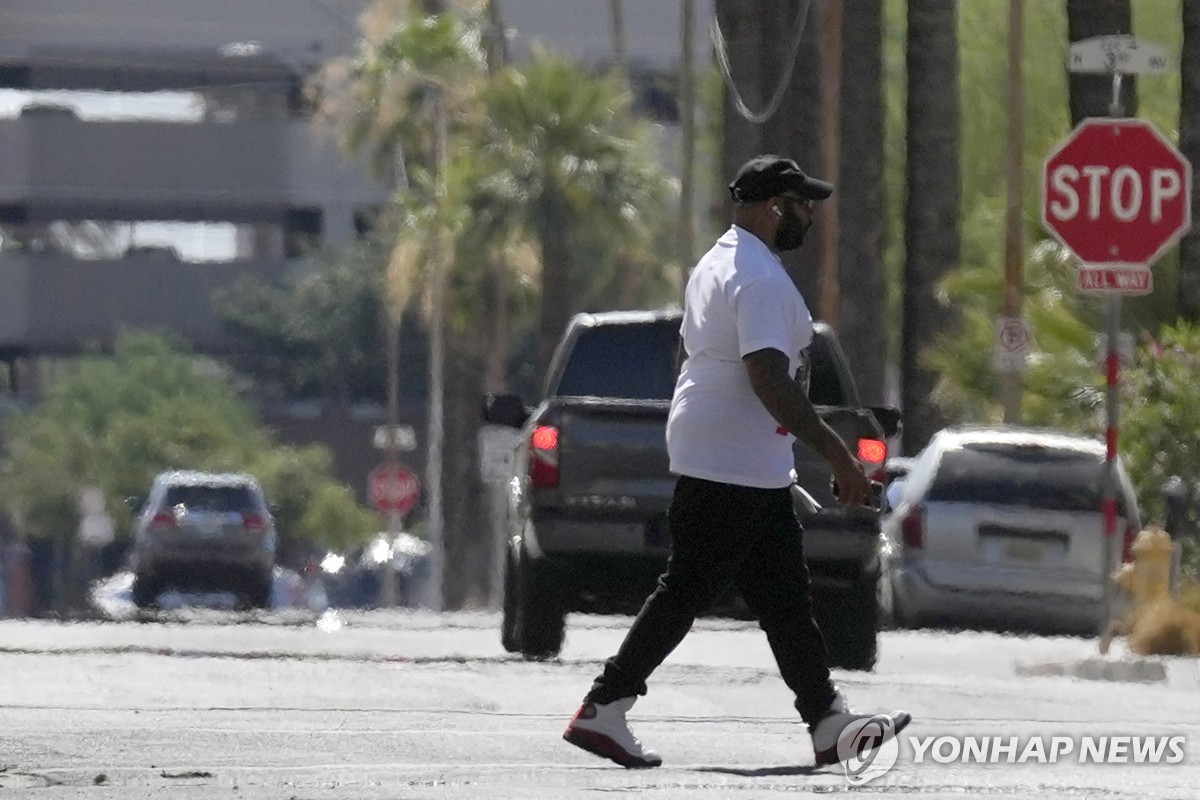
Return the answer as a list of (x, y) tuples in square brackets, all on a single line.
[(1148, 579), (1145, 583)]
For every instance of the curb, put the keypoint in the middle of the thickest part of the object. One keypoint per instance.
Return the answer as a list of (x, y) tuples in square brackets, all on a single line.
[(1097, 669)]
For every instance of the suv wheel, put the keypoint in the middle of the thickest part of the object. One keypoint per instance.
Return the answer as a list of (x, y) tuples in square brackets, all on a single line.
[(146, 590), (256, 591), (534, 620), (850, 624)]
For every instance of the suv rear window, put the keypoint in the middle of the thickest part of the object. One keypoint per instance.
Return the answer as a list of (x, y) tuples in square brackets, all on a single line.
[(634, 362), (211, 498), (1019, 475)]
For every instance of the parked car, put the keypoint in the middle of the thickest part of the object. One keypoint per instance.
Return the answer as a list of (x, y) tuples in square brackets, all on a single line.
[(204, 531), (355, 580), (1003, 527)]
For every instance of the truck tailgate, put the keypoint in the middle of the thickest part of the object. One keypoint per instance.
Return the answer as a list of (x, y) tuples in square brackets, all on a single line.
[(614, 456)]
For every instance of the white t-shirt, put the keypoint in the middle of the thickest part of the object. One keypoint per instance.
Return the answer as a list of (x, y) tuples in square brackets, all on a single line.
[(738, 300)]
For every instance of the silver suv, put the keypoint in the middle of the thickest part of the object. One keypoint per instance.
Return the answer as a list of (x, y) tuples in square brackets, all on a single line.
[(204, 531)]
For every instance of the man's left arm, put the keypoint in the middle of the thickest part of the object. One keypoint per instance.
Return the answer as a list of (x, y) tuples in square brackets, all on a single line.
[(788, 403)]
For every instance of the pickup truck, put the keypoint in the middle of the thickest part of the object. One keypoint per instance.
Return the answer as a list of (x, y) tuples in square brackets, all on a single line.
[(586, 517)]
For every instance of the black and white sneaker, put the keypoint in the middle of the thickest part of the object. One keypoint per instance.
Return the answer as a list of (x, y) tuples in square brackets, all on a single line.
[(843, 733), (601, 729)]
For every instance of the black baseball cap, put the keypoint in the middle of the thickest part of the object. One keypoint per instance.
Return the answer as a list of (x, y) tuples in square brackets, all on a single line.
[(767, 176)]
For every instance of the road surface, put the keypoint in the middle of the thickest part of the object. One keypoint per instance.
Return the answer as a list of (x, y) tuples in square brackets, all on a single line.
[(293, 704)]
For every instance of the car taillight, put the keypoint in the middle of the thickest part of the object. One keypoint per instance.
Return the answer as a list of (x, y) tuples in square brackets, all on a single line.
[(873, 454), (912, 528), (543, 456), (1131, 533), (163, 519), (254, 522)]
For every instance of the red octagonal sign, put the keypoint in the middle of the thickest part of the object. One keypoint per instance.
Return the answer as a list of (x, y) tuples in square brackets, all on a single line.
[(393, 489), (1117, 192)]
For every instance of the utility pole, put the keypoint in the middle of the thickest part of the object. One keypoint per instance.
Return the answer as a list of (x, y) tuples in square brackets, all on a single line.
[(437, 345), (1014, 247), (397, 176), (687, 125), (620, 50)]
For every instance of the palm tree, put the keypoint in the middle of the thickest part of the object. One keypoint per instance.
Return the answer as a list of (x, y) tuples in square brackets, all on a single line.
[(568, 152), (932, 238), (1189, 142), (412, 89)]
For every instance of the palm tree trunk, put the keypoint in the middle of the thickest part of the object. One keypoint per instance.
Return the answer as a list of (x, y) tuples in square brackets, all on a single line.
[(467, 526), (1189, 142), (860, 193), (557, 305), (758, 36), (932, 239)]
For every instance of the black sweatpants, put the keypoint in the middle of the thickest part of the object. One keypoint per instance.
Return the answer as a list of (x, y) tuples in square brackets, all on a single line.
[(721, 533)]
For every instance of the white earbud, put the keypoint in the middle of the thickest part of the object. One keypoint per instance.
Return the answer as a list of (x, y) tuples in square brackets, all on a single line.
[(778, 213)]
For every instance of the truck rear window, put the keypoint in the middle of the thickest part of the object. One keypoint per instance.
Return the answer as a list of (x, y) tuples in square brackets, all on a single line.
[(634, 362)]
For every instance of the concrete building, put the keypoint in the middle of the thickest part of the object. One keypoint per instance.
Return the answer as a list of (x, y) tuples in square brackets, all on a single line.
[(225, 139), (251, 160)]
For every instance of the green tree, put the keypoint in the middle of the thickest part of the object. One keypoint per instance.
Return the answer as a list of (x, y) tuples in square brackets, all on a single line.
[(318, 337), (114, 422), (1160, 415)]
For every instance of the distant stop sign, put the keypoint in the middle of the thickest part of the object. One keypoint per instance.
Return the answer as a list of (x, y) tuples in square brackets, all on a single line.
[(1117, 192), (393, 489)]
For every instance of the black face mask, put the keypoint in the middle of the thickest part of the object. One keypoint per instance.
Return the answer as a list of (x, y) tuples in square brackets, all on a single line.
[(791, 233)]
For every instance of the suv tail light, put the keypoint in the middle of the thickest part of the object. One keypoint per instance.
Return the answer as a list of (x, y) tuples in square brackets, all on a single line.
[(543, 457), (254, 522), (873, 454), (912, 528), (163, 519)]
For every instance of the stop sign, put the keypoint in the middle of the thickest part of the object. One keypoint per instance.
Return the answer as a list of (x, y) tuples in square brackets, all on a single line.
[(1117, 192), (393, 489)]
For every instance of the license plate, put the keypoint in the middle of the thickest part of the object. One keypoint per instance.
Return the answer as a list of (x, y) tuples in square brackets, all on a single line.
[(1023, 550)]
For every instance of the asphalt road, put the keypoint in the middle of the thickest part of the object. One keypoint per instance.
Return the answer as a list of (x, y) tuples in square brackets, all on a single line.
[(291, 704)]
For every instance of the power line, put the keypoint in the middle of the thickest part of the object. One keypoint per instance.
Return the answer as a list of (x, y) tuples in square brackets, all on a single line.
[(759, 117)]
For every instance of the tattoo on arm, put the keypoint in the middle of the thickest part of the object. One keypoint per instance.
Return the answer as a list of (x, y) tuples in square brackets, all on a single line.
[(788, 403)]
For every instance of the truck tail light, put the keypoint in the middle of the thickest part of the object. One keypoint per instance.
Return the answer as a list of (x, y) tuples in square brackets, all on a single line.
[(873, 454), (912, 528), (255, 523), (543, 456)]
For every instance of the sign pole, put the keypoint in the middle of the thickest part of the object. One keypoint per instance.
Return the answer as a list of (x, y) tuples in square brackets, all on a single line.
[(1112, 376)]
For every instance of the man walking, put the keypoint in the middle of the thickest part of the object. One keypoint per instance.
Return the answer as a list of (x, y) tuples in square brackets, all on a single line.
[(736, 411)]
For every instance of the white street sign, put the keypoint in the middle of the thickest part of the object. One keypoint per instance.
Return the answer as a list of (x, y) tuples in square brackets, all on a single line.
[(1131, 280), (1013, 342), (1124, 54), (403, 435), (497, 449)]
